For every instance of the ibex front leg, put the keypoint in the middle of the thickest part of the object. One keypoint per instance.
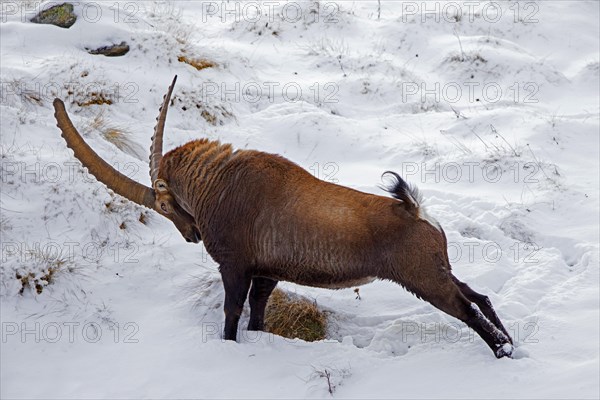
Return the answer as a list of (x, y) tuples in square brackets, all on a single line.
[(259, 295), (236, 287)]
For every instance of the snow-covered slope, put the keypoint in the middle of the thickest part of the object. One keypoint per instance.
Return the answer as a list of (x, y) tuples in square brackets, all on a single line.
[(493, 112)]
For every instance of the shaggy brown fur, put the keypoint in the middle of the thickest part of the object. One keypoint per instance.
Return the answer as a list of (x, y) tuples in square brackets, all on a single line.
[(265, 219)]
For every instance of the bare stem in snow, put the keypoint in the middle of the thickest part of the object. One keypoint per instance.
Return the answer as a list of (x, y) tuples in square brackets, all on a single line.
[(495, 132), (462, 53)]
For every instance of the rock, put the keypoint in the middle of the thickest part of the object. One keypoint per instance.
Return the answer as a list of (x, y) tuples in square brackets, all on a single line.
[(114, 50), (60, 15)]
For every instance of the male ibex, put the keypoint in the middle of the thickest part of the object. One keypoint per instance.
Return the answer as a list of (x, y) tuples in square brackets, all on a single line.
[(264, 219)]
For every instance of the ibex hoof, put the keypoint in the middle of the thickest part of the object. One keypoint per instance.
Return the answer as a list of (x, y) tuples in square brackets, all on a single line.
[(505, 350)]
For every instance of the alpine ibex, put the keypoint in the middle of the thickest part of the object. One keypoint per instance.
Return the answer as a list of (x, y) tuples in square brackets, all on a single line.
[(264, 219)]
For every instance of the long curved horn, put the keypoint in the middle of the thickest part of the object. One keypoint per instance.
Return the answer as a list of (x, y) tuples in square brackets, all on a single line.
[(103, 171), (157, 138)]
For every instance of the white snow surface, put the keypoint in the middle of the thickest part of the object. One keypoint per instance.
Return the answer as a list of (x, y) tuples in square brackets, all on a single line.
[(136, 312)]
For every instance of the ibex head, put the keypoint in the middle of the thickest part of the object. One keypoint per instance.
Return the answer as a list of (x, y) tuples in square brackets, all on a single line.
[(158, 198), (167, 206)]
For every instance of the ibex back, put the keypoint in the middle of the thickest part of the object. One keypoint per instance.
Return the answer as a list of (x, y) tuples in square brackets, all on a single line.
[(264, 219)]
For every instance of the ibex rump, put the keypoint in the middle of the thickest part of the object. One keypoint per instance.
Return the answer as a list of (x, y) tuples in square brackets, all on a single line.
[(264, 219)]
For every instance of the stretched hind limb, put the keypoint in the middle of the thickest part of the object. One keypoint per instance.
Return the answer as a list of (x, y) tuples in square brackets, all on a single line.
[(259, 295), (484, 304), (450, 299)]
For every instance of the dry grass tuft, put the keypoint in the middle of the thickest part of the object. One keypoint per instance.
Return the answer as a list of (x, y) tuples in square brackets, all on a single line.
[(473, 58), (216, 116), (143, 218), (94, 98), (41, 270), (116, 135), (198, 63), (119, 137), (295, 317), (210, 118)]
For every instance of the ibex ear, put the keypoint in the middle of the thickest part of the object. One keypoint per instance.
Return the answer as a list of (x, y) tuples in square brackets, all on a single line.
[(161, 186)]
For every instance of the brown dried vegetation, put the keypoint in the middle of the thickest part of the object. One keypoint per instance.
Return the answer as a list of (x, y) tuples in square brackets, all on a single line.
[(295, 317), (43, 273), (198, 63)]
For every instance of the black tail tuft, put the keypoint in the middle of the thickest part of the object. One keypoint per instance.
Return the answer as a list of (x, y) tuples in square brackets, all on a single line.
[(403, 191)]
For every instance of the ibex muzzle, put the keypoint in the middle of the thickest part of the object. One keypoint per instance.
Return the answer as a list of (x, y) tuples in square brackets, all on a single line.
[(264, 219)]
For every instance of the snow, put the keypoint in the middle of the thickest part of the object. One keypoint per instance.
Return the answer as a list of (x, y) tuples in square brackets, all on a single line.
[(135, 311)]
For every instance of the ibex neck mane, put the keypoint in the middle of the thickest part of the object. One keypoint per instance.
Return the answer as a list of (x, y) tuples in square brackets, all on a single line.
[(192, 166)]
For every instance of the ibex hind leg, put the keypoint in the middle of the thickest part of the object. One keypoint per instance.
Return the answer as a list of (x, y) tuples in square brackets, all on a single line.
[(259, 295), (451, 300), (236, 287), (484, 304)]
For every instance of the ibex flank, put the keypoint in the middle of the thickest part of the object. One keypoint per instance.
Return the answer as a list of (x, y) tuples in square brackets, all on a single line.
[(264, 219)]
